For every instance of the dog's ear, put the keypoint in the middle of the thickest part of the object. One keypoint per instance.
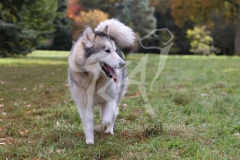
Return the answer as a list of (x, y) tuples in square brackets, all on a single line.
[(106, 30), (88, 37)]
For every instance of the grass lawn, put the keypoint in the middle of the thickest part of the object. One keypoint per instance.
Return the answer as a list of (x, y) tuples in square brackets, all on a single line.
[(196, 100)]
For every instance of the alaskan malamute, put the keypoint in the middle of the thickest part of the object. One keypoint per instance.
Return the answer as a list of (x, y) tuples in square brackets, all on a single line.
[(97, 74)]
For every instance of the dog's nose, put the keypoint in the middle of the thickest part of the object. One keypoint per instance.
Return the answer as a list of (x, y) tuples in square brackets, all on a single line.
[(122, 64)]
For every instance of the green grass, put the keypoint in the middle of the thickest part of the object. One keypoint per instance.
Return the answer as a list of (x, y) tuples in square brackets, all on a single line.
[(196, 100)]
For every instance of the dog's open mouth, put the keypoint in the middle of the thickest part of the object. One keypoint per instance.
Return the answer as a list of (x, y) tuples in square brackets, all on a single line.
[(109, 71)]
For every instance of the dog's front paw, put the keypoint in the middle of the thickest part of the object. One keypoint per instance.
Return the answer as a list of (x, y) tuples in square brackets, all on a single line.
[(89, 141)]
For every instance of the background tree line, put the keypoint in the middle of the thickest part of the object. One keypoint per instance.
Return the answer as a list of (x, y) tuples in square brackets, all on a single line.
[(199, 26)]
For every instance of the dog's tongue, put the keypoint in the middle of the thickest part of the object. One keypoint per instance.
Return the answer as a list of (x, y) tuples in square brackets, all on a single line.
[(112, 73)]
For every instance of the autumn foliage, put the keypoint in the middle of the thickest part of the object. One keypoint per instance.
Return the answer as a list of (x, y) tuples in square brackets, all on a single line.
[(200, 10), (81, 18)]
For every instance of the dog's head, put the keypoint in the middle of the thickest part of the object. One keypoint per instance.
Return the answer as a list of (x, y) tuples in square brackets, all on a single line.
[(100, 49)]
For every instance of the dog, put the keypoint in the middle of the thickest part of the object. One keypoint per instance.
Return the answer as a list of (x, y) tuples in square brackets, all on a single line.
[(97, 74)]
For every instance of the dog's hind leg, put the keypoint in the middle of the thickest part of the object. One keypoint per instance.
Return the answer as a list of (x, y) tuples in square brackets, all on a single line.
[(111, 125), (108, 116)]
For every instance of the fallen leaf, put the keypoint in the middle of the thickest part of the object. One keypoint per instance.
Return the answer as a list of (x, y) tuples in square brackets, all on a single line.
[(237, 134), (223, 94), (205, 95), (20, 132), (1, 105), (124, 105), (126, 133), (2, 143), (2, 82), (57, 124), (60, 150), (4, 113), (137, 111), (27, 106), (67, 85), (2, 140), (78, 134), (10, 141), (26, 131), (0, 128), (49, 151), (29, 141), (35, 158), (1, 99), (144, 139), (28, 111), (135, 95)]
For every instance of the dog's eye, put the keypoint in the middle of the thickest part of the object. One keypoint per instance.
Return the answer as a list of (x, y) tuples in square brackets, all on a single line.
[(107, 51)]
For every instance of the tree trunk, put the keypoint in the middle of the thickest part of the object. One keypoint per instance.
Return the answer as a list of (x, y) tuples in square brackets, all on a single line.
[(237, 36)]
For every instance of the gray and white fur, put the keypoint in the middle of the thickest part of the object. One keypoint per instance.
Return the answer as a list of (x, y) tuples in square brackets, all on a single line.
[(97, 74)]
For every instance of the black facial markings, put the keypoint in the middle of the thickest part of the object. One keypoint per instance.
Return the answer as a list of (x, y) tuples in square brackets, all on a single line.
[(94, 49), (97, 48), (118, 51), (101, 34)]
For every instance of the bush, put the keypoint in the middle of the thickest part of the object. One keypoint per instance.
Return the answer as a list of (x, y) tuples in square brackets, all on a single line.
[(200, 40)]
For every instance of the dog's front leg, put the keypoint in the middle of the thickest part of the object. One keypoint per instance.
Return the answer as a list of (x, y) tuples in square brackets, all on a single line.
[(88, 123)]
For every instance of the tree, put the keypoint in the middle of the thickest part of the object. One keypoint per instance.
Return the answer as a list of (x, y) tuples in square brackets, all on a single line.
[(25, 25), (62, 39), (81, 18), (223, 35), (199, 11), (106, 6), (164, 18), (137, 14)]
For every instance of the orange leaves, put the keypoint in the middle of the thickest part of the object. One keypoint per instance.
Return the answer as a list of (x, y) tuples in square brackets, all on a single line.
[(73, 9), (8, 140), (78, 134), (185, 10), (28, 111), (82, 18), (91, 18), (137, 94), (199, 10), (25, 132)]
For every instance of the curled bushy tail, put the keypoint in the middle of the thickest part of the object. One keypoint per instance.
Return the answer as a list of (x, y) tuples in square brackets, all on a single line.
[(121, 34)]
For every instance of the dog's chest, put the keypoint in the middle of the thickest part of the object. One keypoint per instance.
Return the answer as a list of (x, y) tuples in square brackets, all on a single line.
[(105, 89)]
